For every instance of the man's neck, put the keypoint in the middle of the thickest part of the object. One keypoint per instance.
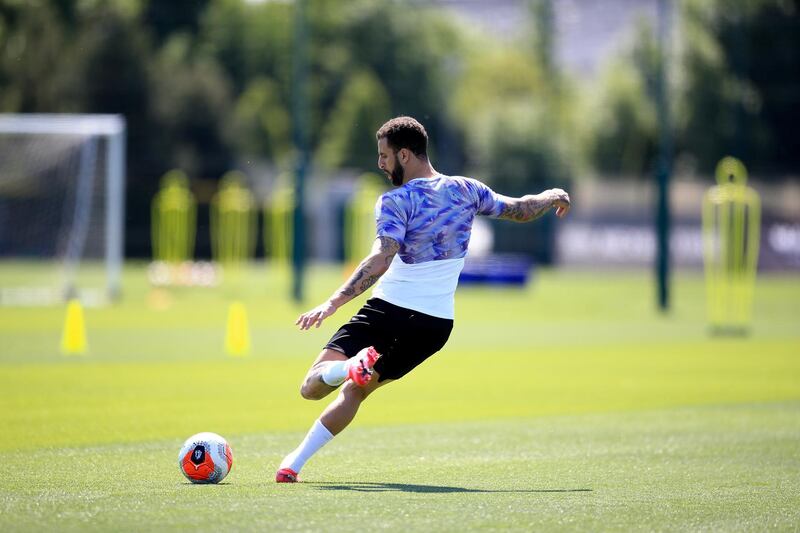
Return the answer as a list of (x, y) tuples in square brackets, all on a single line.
[(423, 169)]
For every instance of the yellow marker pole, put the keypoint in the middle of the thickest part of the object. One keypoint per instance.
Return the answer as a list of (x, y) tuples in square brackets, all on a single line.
[(237, 335), (278, 226), (73, 338), (174, 216), (233, 224), (731, 231)]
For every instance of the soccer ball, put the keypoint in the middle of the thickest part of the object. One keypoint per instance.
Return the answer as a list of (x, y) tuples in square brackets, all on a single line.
[(205, 458)]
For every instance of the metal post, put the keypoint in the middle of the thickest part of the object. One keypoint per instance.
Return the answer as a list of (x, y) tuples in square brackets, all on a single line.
[(664, 165), (115, 209), (300, 134)]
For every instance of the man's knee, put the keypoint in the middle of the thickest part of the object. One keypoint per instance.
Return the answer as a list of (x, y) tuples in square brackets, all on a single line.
[(314, 389)]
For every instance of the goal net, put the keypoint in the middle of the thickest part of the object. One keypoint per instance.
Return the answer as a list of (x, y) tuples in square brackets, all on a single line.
[(61, 208)]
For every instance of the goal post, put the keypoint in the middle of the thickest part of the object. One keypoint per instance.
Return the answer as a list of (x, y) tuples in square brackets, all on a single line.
[(62, 207)]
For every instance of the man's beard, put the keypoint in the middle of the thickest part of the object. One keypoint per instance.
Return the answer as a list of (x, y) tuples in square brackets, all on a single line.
[(397, 175)]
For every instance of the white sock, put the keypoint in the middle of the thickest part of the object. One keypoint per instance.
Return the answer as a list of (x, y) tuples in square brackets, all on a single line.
[(335, 372), (315, 439)]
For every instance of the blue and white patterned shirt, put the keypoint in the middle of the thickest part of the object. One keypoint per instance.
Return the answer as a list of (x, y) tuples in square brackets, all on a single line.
[(431, 219)]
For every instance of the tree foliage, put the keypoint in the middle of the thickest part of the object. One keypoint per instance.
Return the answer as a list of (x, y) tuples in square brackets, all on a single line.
[(741, 93), (622, 117), (204, 83)]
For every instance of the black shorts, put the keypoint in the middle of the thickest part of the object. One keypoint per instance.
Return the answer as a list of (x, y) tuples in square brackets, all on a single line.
[(403, 337)]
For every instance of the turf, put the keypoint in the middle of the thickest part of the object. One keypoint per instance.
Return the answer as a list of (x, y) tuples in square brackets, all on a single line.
[(571, 404)]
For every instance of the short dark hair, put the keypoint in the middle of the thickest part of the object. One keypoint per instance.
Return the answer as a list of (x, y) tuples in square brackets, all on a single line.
[(405, 132)]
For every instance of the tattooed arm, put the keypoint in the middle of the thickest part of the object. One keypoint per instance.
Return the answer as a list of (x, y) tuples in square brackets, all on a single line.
[(368, 272), (371, 268), (532, 206)]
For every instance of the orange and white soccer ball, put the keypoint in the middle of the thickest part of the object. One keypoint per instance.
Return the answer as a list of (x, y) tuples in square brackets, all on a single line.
[(205, 458)]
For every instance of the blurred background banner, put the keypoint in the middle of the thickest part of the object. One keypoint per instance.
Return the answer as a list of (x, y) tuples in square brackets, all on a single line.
[(523, 94)]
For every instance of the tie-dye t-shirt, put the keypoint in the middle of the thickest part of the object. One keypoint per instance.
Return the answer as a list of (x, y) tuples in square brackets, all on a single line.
[(432, 218)]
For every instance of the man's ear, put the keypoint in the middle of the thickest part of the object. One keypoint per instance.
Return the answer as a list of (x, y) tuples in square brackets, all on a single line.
[(403, 153)]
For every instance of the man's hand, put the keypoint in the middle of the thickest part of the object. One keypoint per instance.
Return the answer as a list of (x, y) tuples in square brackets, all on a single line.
[(532, 206), (371, 268), (316, 315), (560, 200)]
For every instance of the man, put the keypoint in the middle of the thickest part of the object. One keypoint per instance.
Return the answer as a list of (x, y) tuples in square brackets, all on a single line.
[(423, 229)]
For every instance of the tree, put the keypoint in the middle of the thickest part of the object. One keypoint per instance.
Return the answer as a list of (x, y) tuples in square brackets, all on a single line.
[(192, 103), (348, 138), (369, 59), (167, 18), (261, 122), (622, 119), (741, 92), (32, 42)]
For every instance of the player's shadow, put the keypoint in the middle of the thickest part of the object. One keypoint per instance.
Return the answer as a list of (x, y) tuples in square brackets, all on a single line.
[(363, 486)]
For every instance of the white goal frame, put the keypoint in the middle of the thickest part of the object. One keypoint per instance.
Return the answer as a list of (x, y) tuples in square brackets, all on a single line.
[(113, 129)]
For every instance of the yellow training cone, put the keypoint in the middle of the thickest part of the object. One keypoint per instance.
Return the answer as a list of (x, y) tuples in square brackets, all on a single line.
[(73, 339), (237, 336)]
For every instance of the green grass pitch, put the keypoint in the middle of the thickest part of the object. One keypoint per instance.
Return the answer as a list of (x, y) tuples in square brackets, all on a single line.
[(571, 404)]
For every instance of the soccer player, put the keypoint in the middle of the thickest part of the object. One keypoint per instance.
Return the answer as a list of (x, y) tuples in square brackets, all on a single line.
[(423, 229)]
